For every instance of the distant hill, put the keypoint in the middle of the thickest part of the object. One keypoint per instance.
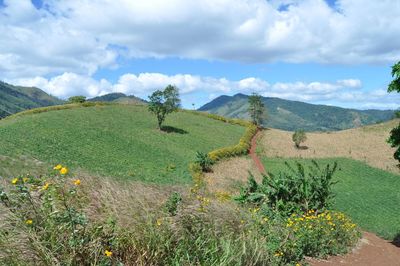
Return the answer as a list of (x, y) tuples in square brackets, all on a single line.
[(118, 97), (292, 115), (14, 99)]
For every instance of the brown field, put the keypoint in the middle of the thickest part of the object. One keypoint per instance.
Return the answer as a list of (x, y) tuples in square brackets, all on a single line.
[(367, 144), (229, 175)]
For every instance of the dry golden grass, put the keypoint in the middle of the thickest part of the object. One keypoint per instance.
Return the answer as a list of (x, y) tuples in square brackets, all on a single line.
[(367, 144), (229, 174)]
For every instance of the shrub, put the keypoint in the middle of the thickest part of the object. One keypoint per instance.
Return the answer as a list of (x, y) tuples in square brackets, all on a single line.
[(171, 206), (77, 99), (293, 191), (298, 137), (204, 161)]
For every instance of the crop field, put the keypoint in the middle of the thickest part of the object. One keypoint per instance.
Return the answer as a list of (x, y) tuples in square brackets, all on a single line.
[(370, 196), (116, 140), (367, 144)]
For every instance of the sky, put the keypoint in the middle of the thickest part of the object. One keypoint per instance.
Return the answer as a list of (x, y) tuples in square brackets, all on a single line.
[(333, 52)]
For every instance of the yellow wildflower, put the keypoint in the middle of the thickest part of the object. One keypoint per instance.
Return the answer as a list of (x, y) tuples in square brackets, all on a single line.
[(25, 179), (46, 186), (77, 182), (159, 222), (108, 253), (29, 221), (64, 171), (57, 167), (15, 181), (298, 264)]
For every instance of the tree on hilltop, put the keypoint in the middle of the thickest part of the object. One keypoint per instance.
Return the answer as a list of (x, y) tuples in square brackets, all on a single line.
[(162, 103), (256, 109)]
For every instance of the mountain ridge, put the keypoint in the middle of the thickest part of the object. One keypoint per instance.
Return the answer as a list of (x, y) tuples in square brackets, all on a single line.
[(15, 99), (292, 115)]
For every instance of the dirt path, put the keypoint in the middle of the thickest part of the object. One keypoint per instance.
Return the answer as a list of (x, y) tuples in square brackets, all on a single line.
[(253, 153), (371, 251)]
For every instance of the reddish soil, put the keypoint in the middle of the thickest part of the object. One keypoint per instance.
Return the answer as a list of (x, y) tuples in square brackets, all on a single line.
[(253, 153), (371, 251)]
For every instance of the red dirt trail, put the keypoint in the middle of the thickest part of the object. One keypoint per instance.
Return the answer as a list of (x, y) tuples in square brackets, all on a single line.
[(370, 251), (253, 154)]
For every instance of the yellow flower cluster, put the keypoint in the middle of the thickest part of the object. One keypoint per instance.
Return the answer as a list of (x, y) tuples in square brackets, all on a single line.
[(62, 169), (327, 220), (108, 253)]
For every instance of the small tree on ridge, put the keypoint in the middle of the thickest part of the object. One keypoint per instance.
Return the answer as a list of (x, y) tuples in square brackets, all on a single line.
[(256, 109), (162, 103), (298, 137)]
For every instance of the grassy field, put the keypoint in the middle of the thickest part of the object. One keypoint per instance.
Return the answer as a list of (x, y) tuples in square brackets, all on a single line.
[(370, 196), (117, 140), (367, 144)]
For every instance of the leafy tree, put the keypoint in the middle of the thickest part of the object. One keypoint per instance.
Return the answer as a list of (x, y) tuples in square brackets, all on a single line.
[(256, 109), (77, 99), (164, 102), (394, 138), (298, 137)]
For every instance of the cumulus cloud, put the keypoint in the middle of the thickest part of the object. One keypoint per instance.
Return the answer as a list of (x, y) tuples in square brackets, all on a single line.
[(82, 36), (346, 92)]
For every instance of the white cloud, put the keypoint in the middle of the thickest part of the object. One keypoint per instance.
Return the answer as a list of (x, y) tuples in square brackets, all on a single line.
[(82, 36), (344, 92)]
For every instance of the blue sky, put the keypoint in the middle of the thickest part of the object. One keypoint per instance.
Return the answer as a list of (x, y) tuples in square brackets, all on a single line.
[(324, 52)]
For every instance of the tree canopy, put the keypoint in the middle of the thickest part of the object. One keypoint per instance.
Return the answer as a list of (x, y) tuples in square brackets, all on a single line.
[(162, 103)]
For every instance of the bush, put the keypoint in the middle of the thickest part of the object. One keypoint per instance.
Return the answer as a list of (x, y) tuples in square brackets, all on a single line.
[(171, 206), (298, 137), (293, 191), (77, 99), (204, 161)]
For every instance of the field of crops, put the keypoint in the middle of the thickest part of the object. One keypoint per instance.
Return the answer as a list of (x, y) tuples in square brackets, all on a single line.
[(117, 140)]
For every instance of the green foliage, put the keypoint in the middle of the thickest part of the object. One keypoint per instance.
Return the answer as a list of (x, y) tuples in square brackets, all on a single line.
[(15, 99), (298, 137), (114, 140), (370, 196), (291, 115), (293, 191), (256, 109), (171, 206), (395, 83), (77, 99), (162, 103), (239, 149), (204, 161), (394, 138)]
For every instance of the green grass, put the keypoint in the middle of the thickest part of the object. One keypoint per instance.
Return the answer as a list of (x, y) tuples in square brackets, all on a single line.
[(370, 196), (116, 140)]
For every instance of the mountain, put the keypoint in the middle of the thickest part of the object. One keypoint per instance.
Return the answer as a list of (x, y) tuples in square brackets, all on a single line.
[(118, 97), (14, 99), (292, 115)]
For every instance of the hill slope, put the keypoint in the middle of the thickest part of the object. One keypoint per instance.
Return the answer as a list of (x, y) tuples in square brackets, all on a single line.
[(118, 97), (14, 99), (116, 140), (292, 115)]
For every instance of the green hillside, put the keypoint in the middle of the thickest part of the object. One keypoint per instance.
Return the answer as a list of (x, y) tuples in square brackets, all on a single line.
[(292, 115), (14, 99), (116, 140), (118, 97), (369, 195)]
